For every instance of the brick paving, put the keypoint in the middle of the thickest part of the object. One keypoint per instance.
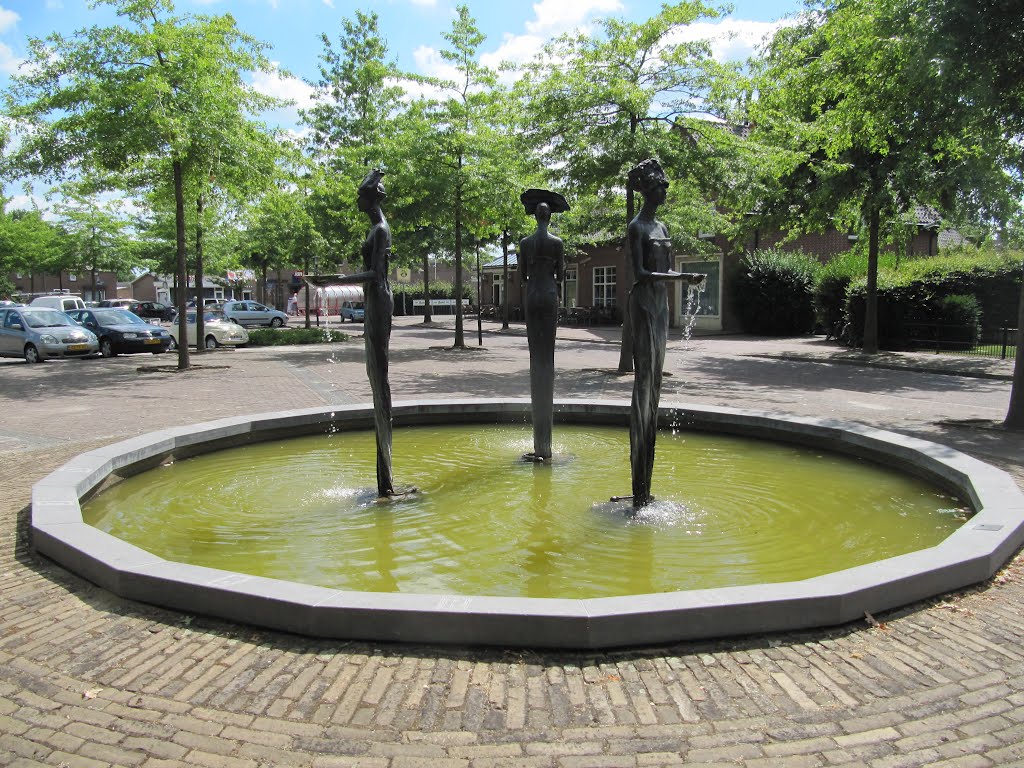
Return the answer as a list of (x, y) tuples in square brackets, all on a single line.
[(89, 679)]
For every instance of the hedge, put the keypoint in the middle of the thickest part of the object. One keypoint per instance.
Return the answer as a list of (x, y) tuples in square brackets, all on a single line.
[(964, 289), (774, 292), (406, 293), (270, 337)]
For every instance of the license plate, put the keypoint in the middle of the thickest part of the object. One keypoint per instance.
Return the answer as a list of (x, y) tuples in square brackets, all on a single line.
[(77, 347), (152, 341)]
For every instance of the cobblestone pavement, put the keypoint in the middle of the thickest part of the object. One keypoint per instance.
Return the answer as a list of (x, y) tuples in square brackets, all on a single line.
[(88, 679)]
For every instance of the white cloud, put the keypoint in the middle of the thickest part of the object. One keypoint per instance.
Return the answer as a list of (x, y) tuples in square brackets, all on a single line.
[(731, 39), (31, 202), (429, 62), (9, 63), (289, 88), (553, 17), (425, 3), (329, 3), (7, 19)]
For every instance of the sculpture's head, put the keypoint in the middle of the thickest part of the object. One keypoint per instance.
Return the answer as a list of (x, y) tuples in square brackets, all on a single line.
[(533, 199), (371, 191), (648, 177)]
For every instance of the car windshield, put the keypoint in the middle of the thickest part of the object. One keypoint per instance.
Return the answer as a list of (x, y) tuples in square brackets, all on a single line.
[(46, 318), (118, 317), (357, 305), (214, 316)]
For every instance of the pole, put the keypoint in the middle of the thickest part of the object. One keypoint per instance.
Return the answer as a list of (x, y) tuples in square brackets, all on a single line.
[(479, 306), (504, 279)]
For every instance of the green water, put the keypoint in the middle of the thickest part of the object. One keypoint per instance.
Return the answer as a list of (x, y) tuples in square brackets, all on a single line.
[(730, 511)]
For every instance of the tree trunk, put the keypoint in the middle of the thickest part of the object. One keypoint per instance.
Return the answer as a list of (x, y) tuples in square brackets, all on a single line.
[(427, 318), (305, 273), (869, 345), (1015, 415), (200, 329), (179, 237), (626, 347), (460, 340), (504, 279)]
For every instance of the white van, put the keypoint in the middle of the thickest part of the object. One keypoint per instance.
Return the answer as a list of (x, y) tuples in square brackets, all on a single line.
[(61, 301)]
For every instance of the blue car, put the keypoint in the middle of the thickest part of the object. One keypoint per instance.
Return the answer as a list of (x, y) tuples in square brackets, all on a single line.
[(120, 331), (353, 310)]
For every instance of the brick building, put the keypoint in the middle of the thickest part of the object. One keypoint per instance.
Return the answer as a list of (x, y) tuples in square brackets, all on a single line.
[(595, 284)]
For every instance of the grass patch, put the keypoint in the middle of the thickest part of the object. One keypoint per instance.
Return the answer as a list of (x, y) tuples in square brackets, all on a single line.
[(269, 337)]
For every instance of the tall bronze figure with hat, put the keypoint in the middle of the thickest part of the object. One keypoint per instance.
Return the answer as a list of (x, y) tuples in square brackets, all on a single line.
[(542, 266), (380, 306)]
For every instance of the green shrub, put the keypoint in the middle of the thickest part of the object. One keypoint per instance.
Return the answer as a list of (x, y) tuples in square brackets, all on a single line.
[(963, 314), (406, 293), (268, 337), (833, 281), (962, 289), (774, 292)]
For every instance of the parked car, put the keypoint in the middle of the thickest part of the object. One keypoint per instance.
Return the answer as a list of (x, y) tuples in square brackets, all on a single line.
[(8, 303), (130, 304), (120, 331), (353, 310), (59, 301), (39, 333), (155, 309), (218, 331), (253, 313)]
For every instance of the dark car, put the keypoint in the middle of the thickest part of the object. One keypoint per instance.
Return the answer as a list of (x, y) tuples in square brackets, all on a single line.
[(119, 330), (129, 304), (156, 310)]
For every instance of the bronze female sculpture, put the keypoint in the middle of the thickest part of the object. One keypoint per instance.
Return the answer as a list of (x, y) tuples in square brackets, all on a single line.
[(380, 305), (542, 265), (651, 252)]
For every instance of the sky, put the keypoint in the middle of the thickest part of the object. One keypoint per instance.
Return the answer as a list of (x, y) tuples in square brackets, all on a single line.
[(413, 29)]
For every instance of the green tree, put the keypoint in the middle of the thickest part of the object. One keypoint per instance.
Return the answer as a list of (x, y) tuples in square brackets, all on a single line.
[(279, 232), (980, 44), (456, 136), (31, 244), (94, 233), (600, 103), (158, 95), (864, 127), (357, 101)]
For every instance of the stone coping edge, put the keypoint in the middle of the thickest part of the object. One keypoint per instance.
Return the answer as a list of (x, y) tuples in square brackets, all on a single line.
[(971, 554)]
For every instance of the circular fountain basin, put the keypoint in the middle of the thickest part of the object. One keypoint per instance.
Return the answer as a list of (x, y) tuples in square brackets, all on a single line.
[(972, 553)]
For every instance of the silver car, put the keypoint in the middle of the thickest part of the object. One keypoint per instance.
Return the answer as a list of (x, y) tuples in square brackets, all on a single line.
[(253, 313), (218, 331), (39, 333)]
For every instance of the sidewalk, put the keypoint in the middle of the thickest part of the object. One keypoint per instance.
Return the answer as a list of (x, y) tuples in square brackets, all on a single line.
[(799, 348), (90, 680)]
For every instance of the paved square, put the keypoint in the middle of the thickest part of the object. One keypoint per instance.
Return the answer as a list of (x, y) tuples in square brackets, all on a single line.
[(89, 679)]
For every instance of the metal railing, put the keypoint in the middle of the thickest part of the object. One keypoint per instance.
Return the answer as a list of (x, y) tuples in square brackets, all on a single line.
[(957, 340)]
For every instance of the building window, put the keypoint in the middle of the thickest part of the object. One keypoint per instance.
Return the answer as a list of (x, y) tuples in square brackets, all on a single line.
[(710, 299), (497, 283), (604, 286), (569, 296)]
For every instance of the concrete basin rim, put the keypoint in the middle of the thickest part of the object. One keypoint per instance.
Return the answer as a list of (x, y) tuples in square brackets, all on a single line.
[(973, 553)]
